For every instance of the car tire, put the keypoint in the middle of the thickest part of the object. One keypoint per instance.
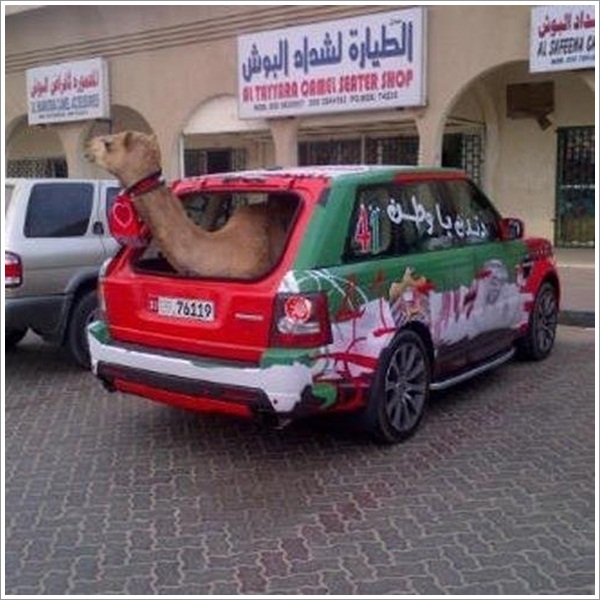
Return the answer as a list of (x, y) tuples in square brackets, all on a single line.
[(82, 315), (541, 331), (12, 338), (400, 390)]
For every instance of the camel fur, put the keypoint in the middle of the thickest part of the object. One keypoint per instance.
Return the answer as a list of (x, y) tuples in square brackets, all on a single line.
[(245, 247)]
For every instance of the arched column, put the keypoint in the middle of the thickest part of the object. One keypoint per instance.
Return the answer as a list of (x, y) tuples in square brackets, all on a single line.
[(492, 137), (72, 138), (285, 138), (431, 132)]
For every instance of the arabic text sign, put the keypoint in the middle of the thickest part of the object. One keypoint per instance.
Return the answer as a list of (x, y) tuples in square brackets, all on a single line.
[(71, 91), (372, 62), (562, 38)]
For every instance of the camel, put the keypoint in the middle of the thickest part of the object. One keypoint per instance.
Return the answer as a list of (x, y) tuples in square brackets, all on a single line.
[(245, 247)]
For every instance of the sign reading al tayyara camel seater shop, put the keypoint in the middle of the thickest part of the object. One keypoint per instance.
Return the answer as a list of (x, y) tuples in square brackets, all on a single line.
[(562, 38), (71, 91), (369, 62)]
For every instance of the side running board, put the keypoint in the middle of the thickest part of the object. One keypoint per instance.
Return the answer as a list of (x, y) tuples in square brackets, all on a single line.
[(482, 368)]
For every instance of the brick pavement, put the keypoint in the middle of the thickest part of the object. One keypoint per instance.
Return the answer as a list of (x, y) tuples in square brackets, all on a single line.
[(109, 494)]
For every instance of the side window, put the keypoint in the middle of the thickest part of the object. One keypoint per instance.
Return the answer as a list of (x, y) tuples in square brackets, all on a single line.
[(397, 219), (111, 195), (370, 231), (59, 210), (474, 218), (420, 221)]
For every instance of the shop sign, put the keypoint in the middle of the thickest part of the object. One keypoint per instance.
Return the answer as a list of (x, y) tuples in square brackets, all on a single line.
[(72, 91), (562, 38), (364, 63)]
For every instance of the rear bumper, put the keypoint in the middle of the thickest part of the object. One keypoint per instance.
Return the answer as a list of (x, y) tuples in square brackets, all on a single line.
[(44, 314), (196, 383)]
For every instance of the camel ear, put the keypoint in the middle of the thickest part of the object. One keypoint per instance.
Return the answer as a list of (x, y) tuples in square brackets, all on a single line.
[(127, 139)]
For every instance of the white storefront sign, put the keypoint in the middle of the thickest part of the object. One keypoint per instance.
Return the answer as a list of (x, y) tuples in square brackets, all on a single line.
[(369, 62), (562, 38), (72, 91)]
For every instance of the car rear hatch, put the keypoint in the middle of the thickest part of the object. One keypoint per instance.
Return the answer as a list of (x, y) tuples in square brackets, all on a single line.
[(149, 304)]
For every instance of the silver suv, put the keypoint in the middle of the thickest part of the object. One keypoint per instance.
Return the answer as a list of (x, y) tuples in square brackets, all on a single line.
[(56, 239)]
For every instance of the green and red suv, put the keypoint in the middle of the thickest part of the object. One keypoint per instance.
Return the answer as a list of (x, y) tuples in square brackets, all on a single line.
[(394, 281)]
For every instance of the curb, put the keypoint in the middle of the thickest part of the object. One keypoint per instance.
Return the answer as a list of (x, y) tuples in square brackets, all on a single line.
[(576, 318)]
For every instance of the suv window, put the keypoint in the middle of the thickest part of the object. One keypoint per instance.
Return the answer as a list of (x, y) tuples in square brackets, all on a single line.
[(391, 220), (475, 220), (59, 210), (111, 195)]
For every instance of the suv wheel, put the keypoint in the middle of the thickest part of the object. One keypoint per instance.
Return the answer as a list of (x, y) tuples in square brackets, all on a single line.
[(539, 341), (12, 338), (83, 314), (400, 390)]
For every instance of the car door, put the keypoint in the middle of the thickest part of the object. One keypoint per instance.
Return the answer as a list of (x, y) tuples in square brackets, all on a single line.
[(57, 236), (404, 268), (493, 303)]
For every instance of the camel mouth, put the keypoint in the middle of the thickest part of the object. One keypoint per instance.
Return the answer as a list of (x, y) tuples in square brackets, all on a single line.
[(89, 154)]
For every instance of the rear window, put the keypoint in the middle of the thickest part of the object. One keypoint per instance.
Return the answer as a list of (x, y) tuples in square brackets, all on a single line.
[(416, 217), (212, 211), (59, 210)]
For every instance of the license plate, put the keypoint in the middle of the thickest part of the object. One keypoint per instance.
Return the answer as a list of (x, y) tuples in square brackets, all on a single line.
[(184, 308)]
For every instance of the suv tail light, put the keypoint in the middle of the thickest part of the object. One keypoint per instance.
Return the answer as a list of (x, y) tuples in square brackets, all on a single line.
[(101, 296), (301, 321), (13, 270)]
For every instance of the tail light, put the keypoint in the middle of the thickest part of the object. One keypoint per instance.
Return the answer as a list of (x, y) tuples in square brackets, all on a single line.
[(301, 321), (13, 270), (101, 296)]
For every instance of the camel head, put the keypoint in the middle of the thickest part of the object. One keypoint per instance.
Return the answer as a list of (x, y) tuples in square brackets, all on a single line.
[(130, 155)]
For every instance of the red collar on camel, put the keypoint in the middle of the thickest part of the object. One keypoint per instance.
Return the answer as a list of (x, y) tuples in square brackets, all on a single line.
[(124, 223)]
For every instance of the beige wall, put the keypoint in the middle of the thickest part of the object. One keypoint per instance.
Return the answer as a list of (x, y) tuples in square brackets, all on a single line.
[(166, 62)]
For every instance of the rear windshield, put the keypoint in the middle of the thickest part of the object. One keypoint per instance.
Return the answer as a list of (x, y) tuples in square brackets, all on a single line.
[(245, 234)]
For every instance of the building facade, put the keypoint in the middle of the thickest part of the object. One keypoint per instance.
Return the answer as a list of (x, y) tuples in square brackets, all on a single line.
[(505, 92)]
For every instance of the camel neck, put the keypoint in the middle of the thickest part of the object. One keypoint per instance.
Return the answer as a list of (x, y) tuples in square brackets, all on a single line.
[(147, 184)]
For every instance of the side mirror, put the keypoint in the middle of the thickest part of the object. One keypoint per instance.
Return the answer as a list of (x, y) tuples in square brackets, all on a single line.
[(511, 228)]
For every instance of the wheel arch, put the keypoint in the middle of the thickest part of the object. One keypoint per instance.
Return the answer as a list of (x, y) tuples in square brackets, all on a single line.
[(423, 332), (79, 289)]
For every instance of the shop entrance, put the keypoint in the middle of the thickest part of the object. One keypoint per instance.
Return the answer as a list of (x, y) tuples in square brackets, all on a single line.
[(370, 150), (464, 151), (201, 162), (575, 187)]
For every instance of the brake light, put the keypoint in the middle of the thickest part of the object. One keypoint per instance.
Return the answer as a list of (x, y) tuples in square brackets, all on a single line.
[(13, 270), (101, 296), (301, 321)]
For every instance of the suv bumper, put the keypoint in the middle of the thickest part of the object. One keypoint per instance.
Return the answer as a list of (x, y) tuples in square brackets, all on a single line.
[(200, 384), (43, 314)]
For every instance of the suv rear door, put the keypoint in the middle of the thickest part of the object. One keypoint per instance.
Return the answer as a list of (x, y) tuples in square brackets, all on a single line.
[(397, 250), (496, 304), (53, 235), (148, 303)]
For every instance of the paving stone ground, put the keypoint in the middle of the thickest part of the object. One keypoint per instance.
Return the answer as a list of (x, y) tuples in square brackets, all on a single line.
[(112, 494)]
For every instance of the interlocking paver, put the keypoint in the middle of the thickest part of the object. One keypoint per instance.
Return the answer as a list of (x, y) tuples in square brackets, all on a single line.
[(111, 494)]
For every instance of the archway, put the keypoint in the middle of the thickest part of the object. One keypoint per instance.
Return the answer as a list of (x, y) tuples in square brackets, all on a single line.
[(536, 145), (34, 151), (214, 139)]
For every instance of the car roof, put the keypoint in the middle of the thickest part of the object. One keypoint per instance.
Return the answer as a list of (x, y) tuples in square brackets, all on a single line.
[(329, 172)]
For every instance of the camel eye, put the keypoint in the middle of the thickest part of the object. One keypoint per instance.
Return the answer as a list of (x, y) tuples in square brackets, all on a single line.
[(107, 144)]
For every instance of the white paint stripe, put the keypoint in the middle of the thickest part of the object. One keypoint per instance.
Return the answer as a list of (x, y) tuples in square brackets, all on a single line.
[(576, 266), (283, 384)]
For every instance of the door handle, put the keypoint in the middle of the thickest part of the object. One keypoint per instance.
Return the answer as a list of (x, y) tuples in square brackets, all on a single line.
[(98, 228)]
